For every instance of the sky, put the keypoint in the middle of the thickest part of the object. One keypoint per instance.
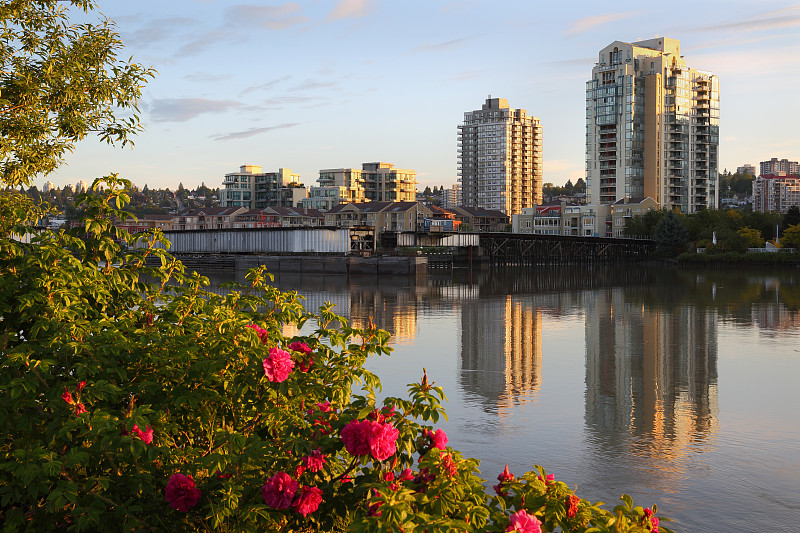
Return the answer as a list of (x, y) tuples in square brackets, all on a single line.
[(320, 84)]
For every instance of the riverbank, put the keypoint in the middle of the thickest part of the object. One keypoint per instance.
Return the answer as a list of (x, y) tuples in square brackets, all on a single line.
[(732, 258), (413, 266)]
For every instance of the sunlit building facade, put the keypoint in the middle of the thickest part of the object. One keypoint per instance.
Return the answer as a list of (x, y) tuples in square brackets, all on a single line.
[(779, 167), (651, 376), (373, 182), (501, 349), (254, 189), (652, 127), (500, 158)]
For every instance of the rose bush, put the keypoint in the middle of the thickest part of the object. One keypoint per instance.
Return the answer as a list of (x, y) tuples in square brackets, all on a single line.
[(133, 399), (156, 405)]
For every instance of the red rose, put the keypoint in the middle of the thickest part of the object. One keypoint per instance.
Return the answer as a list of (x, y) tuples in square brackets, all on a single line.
[(309, 500), (278, 491), (181, 494)]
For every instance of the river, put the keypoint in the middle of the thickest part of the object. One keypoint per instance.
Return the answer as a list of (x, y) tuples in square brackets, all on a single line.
[(678, 387)]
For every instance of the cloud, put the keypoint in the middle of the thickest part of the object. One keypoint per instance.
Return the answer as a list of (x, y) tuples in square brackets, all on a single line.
[(310, 85), (251, 132), (264, 86), (587, 23), (152, 31), (346, 9), (183, 109), (281, 102), (438, 47), (751, 25), (278, 17)]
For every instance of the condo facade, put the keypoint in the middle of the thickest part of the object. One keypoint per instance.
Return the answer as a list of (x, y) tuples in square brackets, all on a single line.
[(373, 182), (500, 158), (777, 194), (652, 127), (779, 167), (254, 189)]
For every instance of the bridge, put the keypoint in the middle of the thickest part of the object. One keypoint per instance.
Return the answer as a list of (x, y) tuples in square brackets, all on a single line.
[(517, 248), (495, 248)]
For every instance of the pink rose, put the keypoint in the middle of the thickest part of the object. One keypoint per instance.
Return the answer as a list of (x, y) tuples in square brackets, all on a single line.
[(449, 466), (505, 476), (438, 439), (181, 494), (406, 475), (522, 521), (146, 436), (356, 437), (325, 406), (300, 347), (370, 437), (278, 365), (263, 334), (314, 461), (278, 491), (383, 441), (309, 500)]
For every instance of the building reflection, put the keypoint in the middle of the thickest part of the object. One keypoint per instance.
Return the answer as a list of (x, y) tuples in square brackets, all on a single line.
[(501, 350), (651, 377)]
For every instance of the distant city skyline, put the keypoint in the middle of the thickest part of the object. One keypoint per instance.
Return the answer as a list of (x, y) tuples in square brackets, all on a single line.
[(315, 85)]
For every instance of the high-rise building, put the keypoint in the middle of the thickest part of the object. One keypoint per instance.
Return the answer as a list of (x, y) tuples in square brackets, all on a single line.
[(773, 193), (779, 167), (652, 127), (747, 168), (500, 158), (254, 189), (377, 182), (451, 197)]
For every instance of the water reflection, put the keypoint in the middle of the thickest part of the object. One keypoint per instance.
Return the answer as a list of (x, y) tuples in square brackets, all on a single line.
[(501, 350), (654, 381), (651, 379)]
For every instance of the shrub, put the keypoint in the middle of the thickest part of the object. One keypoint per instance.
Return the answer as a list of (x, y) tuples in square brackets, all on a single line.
[(135, 405)]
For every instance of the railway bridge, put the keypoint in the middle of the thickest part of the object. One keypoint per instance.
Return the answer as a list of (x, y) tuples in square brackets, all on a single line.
[(517, 248)]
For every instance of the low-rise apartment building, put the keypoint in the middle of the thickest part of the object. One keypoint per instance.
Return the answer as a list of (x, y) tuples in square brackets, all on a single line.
[(627, 208), (279, 217), (206, 218), (374, 182), (253, 189), (383, 216)]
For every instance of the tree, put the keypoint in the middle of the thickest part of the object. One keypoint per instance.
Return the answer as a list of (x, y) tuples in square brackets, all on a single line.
[(752, 237), (133, 405), (791, 237), (643, 225), (791, 218), (60, 81), (129, 405), (670, 234)]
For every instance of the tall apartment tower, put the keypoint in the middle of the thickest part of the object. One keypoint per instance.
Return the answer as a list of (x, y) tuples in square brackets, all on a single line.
[(652, 127), (500, 158), (779, 167)]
